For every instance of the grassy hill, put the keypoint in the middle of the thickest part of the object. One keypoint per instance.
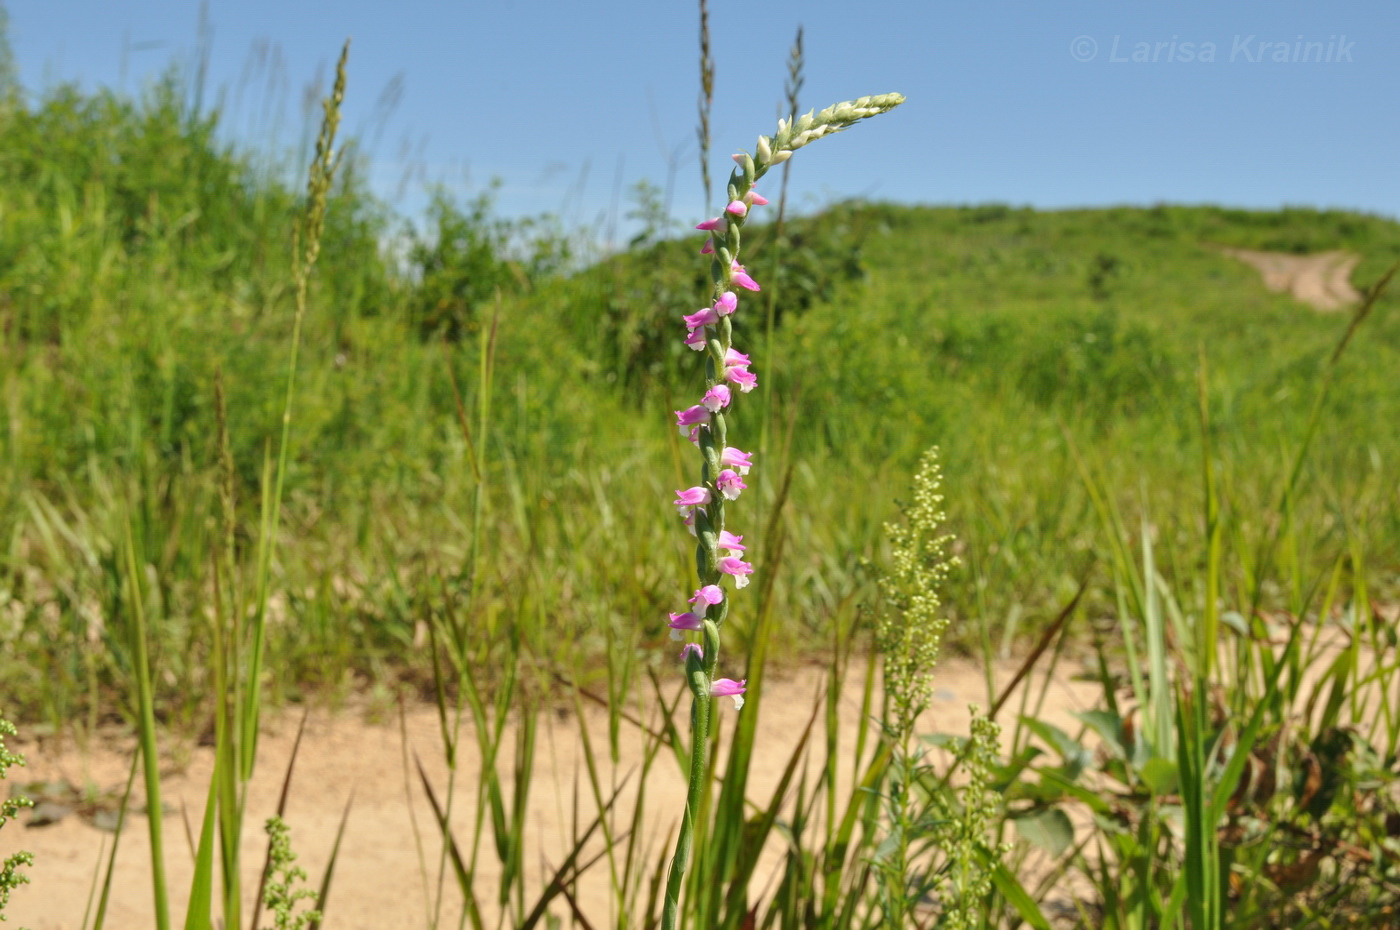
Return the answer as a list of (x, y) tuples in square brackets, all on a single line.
[(139, 256)]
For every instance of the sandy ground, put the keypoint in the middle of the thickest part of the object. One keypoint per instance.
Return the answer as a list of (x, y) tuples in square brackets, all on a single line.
[(379, 882), (1322, 280)]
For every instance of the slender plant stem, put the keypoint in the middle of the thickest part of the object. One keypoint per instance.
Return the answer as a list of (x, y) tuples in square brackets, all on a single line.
[(700, 738)]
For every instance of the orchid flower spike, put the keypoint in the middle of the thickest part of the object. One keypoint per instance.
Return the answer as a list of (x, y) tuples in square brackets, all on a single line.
[(728, 687)]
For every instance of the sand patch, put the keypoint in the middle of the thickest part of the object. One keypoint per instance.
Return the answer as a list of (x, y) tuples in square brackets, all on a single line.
[(1322, 279)]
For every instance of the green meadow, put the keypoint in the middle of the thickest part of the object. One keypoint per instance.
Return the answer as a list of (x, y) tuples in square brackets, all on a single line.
[(141, 255)]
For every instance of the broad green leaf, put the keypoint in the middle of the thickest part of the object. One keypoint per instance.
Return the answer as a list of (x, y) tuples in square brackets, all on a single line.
[(1160, 774), (1109, 726), (1048, 828)]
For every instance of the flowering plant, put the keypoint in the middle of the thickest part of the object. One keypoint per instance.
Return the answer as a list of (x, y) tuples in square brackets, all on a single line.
[(710, 331)]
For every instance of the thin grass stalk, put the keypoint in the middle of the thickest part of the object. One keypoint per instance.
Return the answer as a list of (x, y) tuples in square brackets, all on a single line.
[(306, 249), (100, 918), (707, 99), (146, 730)]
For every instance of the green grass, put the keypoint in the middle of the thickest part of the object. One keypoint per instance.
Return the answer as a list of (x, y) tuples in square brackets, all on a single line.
[(138, 255)]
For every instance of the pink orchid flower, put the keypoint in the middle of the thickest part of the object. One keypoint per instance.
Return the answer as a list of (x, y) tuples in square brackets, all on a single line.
[(692, 416), (707, 597), (728, 687), (686, 621), (716, 398), (739, 276), (745, 379), (689, 648), (737, 208), (737, 459), (727, 303), (697, 496), (734, 544), (716, 224), (741, 570), (730, 484), (705, 317)]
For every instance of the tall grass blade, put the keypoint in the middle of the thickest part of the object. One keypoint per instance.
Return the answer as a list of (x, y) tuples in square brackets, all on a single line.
[(200, 915), (146, 729), (325, 892)]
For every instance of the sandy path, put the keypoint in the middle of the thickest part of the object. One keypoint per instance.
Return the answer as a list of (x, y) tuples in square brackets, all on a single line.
[(379, 884), (1322, 280)]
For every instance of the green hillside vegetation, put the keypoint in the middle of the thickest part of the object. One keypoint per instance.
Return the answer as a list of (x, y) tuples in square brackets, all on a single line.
[(141, 255)]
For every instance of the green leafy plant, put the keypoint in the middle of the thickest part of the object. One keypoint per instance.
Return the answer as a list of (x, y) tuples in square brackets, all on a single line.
[(10, 875)]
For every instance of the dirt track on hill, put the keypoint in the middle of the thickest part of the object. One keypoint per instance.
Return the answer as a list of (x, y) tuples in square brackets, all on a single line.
[(379, 884), (1322, 280)]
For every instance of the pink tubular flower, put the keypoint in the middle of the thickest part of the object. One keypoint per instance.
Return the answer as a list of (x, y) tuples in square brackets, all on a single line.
[(717, 224), (739, 276), (708, 248), (736, 359), (737, 208), (691, 497), (707, 597), (692, 416), (695, 339), (745, 379), (688, 648), (737, 459), (734, 544), (733, 565), (705, 317), (728, 302), (686, 621), (716, 398), (728, 687), (755, 199), (730, 484)]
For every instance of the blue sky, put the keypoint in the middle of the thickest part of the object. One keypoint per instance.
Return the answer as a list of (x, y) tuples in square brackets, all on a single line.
[(1014, 102)]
